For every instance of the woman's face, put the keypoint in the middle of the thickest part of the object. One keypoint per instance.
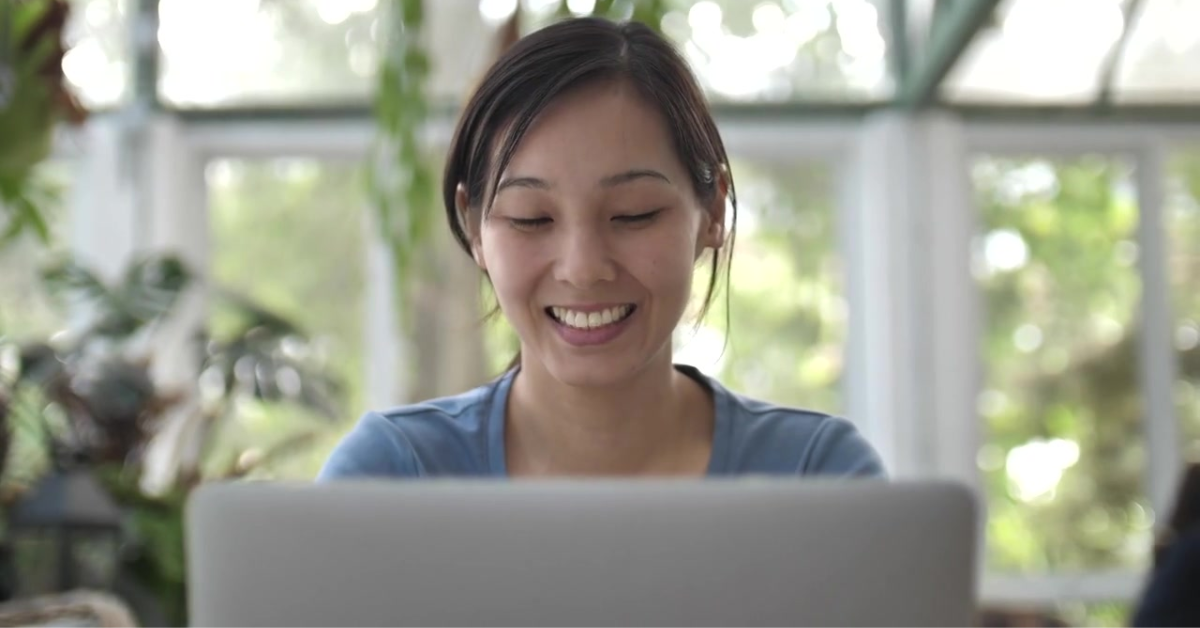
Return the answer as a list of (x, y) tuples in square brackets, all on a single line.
[(594, 233)]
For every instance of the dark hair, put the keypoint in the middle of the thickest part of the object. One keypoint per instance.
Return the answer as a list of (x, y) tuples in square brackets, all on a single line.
[(1185, 517), (569, 54)]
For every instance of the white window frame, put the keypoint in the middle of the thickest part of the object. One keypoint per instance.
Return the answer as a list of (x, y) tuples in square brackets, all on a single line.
[(1147, 147)]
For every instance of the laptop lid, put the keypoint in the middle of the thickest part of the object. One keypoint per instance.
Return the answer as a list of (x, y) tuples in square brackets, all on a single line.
[(647, 552)]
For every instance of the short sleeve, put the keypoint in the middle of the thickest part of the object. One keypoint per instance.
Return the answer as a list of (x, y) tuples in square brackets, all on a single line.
[(373, 448), (837, 448)]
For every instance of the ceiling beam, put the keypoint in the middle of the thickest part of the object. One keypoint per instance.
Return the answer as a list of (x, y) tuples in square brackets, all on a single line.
[(955, 25), (1108, 73)]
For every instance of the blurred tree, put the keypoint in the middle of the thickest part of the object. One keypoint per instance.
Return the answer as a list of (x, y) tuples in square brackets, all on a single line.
[(1061, 291), (1065, 456)]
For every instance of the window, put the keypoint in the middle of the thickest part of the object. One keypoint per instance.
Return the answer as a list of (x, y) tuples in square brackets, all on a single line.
[(784, 338), (772, 51), (97, 63), (275, 52), (1064, 455), (268, 51), (288, 234), (1022, 58)]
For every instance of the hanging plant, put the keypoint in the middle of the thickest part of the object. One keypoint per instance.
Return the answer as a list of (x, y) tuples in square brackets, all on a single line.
[(33, 99), (400, 180)]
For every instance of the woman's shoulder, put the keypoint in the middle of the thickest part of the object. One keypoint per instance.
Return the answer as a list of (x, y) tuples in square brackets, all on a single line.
[(442, 435), (775, 438)]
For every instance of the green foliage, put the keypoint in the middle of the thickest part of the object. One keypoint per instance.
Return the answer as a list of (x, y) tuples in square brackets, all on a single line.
[(401, 183), (1060, 349), (153, 562), (27, 117), (91, 401), (33, 98), (145, 294)]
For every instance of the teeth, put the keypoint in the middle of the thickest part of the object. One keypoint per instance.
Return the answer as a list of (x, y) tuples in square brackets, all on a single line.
[(591, 320)]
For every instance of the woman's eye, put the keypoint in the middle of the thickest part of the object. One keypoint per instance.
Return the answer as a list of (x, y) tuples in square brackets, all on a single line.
[(638, 218), (528, 224)]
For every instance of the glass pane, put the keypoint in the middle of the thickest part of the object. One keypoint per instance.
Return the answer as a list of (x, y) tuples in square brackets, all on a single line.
[(94, 557), (1064, 457), (774, 50), (784, 337), (98, 55), (304, 51), (288, 234), (35, 561), (269, 50), (26, 311), (1161, 61), (1183, 264), (1024, 56)]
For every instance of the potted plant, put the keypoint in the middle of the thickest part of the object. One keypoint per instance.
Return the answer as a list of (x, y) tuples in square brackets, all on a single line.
[(88, 397)]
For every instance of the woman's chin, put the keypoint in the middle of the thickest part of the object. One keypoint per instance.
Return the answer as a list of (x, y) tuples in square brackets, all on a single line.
[(590, 372), (601, 369)]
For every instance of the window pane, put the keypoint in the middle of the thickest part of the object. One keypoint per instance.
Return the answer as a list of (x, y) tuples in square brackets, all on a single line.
[(1161, 60), (1183, 229), (305, 51), (1023, 55), (285, 51), (787, 320), (1064, 456), (97, 59), (288, 234), (269, 50), (776, 50)]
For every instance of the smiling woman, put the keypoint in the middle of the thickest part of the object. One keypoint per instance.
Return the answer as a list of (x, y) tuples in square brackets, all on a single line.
[(588, 180)]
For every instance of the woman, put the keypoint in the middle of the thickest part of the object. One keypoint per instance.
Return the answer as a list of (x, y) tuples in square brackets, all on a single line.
[(587, 179), (1171, 595)]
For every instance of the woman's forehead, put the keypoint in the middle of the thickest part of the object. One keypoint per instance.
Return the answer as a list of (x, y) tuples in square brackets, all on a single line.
[(600, 127)]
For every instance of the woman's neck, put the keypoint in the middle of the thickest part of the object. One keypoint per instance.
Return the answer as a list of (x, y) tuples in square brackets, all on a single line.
[(659, 422)]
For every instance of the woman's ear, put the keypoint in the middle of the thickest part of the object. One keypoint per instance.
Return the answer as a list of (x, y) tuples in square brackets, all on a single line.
[(713, 236), (471, 227)]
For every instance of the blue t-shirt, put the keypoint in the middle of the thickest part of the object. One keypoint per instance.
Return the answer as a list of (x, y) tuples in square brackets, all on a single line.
[(463, 435)]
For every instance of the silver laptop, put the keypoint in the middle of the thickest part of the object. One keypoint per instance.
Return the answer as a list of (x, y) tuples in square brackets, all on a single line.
[(737, 552)]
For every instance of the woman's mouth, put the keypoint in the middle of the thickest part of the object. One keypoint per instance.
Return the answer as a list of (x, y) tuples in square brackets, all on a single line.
[(593, 327), (576, 319)]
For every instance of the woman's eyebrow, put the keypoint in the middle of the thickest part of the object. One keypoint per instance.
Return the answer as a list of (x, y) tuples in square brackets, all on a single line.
[(523, 182), (632, 175), (610, 181)]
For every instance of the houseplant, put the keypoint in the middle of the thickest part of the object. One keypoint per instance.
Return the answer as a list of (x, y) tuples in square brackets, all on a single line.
[(87, 396)]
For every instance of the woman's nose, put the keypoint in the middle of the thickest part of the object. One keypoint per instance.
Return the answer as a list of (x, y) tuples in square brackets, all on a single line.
[(585, 259)]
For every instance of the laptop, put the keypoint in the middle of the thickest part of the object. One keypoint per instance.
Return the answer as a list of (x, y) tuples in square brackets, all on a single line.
[(736, 552)]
